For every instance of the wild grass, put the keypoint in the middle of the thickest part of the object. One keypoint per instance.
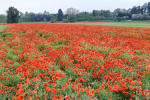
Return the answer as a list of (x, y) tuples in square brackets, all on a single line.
[(145, 24), (2, 26)]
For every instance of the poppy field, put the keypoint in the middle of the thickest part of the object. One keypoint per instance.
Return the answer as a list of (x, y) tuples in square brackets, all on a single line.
[(46, 61)]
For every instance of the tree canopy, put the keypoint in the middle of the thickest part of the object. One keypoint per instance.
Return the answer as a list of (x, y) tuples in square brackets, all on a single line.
[(72, 14), (60, 15), (12, 15)]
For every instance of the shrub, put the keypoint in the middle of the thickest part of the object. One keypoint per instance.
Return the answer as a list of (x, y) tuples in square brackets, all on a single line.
[(65, 21), (119, 19)]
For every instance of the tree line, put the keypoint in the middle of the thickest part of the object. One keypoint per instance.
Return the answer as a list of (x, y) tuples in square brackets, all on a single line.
[(72, 15)]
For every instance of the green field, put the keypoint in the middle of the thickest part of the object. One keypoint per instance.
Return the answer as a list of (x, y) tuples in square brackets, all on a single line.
[(145, 24), (2, 26)]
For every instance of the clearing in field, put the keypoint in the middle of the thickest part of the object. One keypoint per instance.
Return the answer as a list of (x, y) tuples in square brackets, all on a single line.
[(145, 24), (46, 61), (2, 26)]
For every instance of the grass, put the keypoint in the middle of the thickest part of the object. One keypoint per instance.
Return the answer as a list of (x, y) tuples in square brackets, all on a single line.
[(145, 24), (2, 26)]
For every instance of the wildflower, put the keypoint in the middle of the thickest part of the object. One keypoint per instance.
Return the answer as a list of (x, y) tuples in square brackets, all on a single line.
[(54, 84), (45, 85), (37, 96), (47, 89), (50, 82), (46, 95), (21, 97), (79, 85), (132, 95)]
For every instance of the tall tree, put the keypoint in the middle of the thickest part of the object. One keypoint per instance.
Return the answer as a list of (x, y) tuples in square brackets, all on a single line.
[(71, 18), (72, 14), (71, 11), (148, 7), (21, 14), (145, 9), (142, 10), (26, 13), (107, 13), (53, 19), (39, 17), (46, 15), (60, 15), (138, 9), (94, 13), (12, 15), (134, 10)]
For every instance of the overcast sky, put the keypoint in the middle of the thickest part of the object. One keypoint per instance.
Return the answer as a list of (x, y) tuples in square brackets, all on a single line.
[(52, 6)]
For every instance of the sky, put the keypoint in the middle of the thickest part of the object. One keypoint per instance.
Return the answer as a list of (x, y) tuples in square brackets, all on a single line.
[(52, 6)]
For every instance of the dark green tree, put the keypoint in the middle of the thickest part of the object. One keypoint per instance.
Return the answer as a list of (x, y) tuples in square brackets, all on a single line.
[(71, 12), (12, 15), (138, 9), (26, 13), (39, 17), (31, 16), (107, 13), (21, 14), (145, 9), (72, 18), (46, 15), (134, 10), (148, 7), (142, 10), (53, 19), (60, 15), (94, 13)]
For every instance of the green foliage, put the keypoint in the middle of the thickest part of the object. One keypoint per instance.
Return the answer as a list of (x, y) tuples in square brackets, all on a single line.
[(71, 18), (60, 15), (119, 19), (115, 34), (94, 13), (3, 18), (11, 55), (53, 19), (100, 37), (12, 15), (15, 65), (105, 51), (61, 42), (132, 34), (36, 31), (38, 17), (139, 53), (41, 47), (4, 35), (147, 38), (40, 34), (47, 35), (124, 55), (13, 82), (65, 21)]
